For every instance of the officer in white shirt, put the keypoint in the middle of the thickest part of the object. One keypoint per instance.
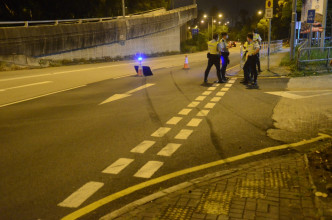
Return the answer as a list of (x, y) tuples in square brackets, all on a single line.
[(258, 39)]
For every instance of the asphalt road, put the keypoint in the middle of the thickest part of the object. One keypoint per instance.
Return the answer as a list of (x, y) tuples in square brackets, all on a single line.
[(61, 142)]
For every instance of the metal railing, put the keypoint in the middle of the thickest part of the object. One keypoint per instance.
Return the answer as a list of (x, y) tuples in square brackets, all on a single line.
[(316, 56), (69, 21)]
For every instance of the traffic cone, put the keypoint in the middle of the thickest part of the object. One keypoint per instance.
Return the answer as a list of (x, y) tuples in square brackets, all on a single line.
[(140, 70), (186, 64)]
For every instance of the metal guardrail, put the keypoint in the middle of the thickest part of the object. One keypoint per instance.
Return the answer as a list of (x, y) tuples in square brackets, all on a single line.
[(275, 46), (311, 55), (68, 21)]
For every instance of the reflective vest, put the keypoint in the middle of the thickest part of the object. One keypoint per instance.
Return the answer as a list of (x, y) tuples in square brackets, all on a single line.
[(213, 47), (252, 47), (257, 38)]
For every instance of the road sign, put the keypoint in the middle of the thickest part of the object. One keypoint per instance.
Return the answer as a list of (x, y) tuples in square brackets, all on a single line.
[(269, 4), (311, 16), (194, 31), (269, 13)]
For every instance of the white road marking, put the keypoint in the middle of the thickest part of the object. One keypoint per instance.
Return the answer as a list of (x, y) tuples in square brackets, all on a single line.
[(224, 89), (216, 84), (169, 149), (210, 105), (12, 103), (183, 134), (118, 166), (215, 99), (228, 85), (231, 81), (119, 77), (142, 147), (294, 96), (174, 120), (27, 85), (126, 94), (82, 194), (207, 93), (185, 111), (203, 113), (148, 169), (212, 88), (194, 122), (220, 94), (200, 98), (161, 132), (193, 104)]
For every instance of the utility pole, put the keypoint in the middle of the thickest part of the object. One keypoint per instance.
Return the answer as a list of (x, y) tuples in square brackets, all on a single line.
[(293, 31), (322, 41), (123, 9)]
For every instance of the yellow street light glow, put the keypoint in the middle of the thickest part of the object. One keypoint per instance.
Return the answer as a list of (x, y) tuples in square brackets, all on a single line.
[(205, 16), (220, 15), (214, 21), (219, 22), (202, 21), (189, 28), (196, 26), (260, 12)]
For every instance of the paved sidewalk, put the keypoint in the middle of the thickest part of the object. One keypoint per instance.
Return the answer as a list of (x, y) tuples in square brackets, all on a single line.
[(275, 188)]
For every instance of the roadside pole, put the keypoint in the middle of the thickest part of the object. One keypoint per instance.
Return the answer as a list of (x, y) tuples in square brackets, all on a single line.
[(322, 40), (269, 15), (123, 9), (293, 31)]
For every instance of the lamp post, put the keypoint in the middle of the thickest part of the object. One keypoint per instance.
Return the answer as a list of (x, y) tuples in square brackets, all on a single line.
[(212, 21), (123, 9)]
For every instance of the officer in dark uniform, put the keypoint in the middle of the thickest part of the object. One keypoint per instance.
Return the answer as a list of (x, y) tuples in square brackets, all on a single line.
[(214, 58), (224, 52)]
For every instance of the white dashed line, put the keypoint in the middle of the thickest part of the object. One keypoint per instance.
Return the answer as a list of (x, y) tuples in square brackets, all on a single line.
[(185, 111), (193, 104), (118, 166), (194, 122), (169, 149), (207, 93), (215, 99), (212, 88), (224, 89), (210, 105), (174, 120), (200, 98), (161, 132), (231, 81), (228, 85), (203, 113), (142, 147), (148, 169), (220, 94), (82, 194), (183, 134)]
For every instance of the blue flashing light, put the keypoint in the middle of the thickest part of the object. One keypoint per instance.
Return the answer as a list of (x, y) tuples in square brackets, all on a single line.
[(140, 58)]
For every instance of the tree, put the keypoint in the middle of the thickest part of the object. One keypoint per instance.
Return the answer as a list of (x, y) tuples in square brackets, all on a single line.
[(263, 26)]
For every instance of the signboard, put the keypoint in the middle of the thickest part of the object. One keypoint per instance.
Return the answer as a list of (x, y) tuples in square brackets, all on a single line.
[(269, 13), (194, 31), (269, 4), (318, 5), (311, 16)]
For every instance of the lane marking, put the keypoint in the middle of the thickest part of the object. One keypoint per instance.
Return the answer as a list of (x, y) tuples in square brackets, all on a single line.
[(203, 113), (118, 166), (148, 169), (220, 94), (228, 85), (119, 77), (169, 149), (210, 105), (232, 81), (161, 132), (194, 122), (200, 98), (95, 205), (27, 85), (193, 104), (126, 94), (290, 95), (212, 88), (36, 97), (215, 99), (174, 120), (185, 111), (142, 147), (183, 134), (82, 194), (224, 89), (207, 93)]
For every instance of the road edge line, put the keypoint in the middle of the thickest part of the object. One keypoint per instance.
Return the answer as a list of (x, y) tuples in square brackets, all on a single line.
[(95, 205)]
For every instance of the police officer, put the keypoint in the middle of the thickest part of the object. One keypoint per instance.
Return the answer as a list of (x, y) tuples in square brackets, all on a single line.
[(213, 58), (250, 65), (258, 39), (224, 52)]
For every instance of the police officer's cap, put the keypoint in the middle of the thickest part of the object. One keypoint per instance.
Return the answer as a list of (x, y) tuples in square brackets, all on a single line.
[(215, 36), (223, 34)]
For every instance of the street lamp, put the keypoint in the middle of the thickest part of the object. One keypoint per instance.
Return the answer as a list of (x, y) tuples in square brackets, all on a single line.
[(259, 12), (212, 21)]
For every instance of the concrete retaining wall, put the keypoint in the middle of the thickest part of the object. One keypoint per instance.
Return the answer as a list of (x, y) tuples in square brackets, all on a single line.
[(147, 33)]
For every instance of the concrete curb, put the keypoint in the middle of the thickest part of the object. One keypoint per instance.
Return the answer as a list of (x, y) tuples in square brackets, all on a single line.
[(165, 192)]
